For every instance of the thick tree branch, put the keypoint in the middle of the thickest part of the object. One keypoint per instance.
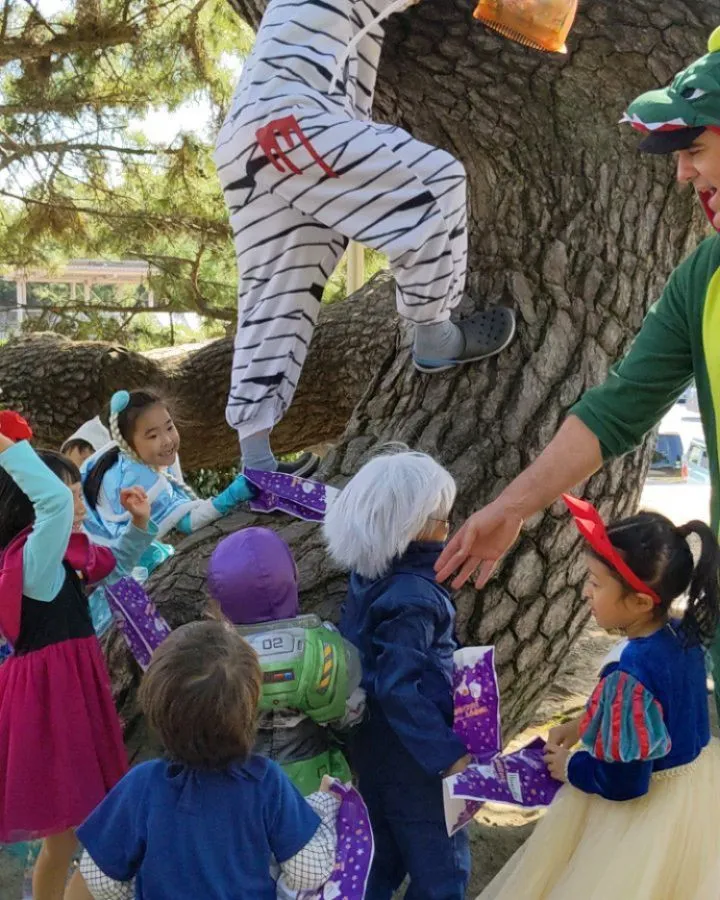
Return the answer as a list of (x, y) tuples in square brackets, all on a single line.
[(60, 384), (15, 48)]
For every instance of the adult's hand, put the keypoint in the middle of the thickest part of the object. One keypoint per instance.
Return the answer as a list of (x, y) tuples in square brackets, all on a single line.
[(570, 457), (480, 544)]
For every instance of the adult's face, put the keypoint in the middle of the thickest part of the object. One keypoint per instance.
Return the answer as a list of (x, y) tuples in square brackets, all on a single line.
[(699, 165)]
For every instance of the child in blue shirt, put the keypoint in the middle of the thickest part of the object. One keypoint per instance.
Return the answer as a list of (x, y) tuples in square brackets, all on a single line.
[(388, 527), (209, 819)]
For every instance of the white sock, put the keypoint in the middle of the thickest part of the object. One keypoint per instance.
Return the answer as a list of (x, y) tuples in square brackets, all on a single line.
[(256, 452), (441, 340)]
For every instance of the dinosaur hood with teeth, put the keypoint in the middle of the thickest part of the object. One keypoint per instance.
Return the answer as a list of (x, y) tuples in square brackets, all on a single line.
[(691, 101), (673, 117)]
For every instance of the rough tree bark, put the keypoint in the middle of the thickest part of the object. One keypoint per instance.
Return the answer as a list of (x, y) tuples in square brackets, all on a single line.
[(570, 226), (59, 384)]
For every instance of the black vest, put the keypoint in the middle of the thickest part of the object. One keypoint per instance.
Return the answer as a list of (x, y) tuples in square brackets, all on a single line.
[(64, 618)]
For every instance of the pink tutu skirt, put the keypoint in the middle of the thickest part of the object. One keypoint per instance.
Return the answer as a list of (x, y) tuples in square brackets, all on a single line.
[(61, 747)]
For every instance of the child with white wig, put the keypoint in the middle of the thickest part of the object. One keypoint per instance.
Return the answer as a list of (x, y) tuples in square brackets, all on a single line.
[(388, 526)]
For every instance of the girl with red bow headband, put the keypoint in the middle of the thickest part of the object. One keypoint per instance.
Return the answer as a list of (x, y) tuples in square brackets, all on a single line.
[(644, 739)]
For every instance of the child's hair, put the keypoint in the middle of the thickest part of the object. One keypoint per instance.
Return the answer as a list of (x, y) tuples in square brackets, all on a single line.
[(16, 510), (78, 444), (122, 430), (394, 499), (200, 695), (658, 552)]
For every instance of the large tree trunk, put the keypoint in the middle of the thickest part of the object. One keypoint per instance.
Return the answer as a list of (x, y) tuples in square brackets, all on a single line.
[(570, 226)]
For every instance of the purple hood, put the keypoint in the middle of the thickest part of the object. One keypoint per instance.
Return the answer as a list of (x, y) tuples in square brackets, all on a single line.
[(252, 575)]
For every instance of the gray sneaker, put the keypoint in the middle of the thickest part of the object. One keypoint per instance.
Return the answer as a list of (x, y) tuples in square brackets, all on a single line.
[(486, 333)]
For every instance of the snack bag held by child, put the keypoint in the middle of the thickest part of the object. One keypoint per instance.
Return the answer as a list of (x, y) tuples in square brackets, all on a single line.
[(142, 626), (355, 850), (299, 497), (520, 778)]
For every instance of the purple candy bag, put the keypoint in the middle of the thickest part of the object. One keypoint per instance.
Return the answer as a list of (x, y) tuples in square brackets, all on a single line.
[(137, 617), (300, 497), (355, 849), (520, 778), (477, 701)]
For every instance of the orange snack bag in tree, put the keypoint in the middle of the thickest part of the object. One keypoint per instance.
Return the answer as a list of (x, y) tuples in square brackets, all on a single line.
[(541, 24)]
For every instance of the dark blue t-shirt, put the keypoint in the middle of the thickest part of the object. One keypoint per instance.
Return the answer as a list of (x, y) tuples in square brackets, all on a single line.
[(189, 833)]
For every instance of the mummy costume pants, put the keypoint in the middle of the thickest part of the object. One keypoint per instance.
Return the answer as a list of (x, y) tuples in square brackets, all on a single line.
[(391, 192)]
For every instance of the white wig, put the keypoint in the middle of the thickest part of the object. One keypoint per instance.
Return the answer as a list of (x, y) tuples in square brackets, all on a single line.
[(388, 504)]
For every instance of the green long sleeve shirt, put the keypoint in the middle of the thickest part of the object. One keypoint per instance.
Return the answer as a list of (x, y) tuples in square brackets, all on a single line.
[(679, 341)]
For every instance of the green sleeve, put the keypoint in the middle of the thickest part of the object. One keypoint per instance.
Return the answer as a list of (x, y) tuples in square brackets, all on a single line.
[(643, 386)]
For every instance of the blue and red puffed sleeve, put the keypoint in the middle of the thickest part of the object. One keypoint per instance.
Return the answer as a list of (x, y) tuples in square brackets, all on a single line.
[(622, 732), (623, 722)]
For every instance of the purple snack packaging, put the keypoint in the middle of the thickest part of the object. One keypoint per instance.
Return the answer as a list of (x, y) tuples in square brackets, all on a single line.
[(137, 618), (300, 497), (520, 778), (355, 850), (476, 700)]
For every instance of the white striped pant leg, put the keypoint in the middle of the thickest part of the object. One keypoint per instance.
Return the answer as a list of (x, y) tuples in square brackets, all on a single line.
[(383, 202), (446, 179), (284, 260)]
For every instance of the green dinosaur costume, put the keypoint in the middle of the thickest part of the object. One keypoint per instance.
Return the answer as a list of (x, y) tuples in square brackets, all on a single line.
[(692, 100), (680, 337)]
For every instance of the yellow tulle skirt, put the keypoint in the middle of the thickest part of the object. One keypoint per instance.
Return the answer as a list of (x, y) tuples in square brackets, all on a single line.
[(663, 846)]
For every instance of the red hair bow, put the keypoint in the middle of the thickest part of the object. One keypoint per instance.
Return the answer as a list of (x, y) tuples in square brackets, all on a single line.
[(14, 427), (592, 528)]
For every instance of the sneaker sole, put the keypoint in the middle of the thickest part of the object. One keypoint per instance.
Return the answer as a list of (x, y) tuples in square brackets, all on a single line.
[(431, 370)]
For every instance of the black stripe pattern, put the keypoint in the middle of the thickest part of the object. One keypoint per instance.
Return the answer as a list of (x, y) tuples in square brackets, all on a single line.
[(392, 193)]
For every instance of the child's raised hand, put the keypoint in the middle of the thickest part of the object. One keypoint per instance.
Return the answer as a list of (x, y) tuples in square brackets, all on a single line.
[(136, 502), (13, 428), (556, 759)]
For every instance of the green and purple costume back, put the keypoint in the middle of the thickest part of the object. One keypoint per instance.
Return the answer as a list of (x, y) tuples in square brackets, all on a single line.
[(680, 338)]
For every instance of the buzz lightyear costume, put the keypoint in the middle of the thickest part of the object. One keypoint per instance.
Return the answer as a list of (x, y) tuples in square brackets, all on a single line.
[(311, 675)]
